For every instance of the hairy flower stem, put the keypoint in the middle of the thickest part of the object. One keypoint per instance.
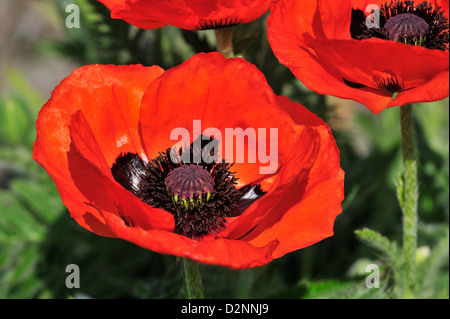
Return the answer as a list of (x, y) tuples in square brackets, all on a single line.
[(409, 200), (194, 288), (224, 41)]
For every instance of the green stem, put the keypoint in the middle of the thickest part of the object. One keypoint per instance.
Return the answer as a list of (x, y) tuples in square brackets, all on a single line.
[(410, 198), (194, 288), (224, 41)]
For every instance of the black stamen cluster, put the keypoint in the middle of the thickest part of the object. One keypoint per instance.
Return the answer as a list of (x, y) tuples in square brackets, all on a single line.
[(390, 84), (198, 216), (208, 24)]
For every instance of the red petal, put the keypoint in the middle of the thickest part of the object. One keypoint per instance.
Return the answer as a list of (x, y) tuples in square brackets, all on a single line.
[(223, 252), (412, 66), (433, 90), (92, 176), (302, 204), (118, 90), (141, 21)]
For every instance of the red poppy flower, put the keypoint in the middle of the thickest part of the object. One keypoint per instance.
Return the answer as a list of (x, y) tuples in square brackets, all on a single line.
[(106, 138), (331, 48), (187, 14)]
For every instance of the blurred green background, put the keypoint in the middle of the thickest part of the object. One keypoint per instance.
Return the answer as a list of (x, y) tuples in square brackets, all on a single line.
[(38, 239)]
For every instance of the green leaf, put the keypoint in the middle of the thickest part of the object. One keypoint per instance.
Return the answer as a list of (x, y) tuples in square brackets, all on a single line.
[(337, 289), (27, 210), (431, 271), (32, 99), (16, 222), (14, 121), (380, 243), (17, 270), (40, 198)]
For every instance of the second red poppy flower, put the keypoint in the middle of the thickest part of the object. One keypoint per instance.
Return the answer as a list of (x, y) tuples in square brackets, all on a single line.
[(379, 53), (187, 14)]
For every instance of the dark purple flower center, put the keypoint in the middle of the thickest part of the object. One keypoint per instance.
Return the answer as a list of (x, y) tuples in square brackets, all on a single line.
[(189, 181), (406, 25)]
